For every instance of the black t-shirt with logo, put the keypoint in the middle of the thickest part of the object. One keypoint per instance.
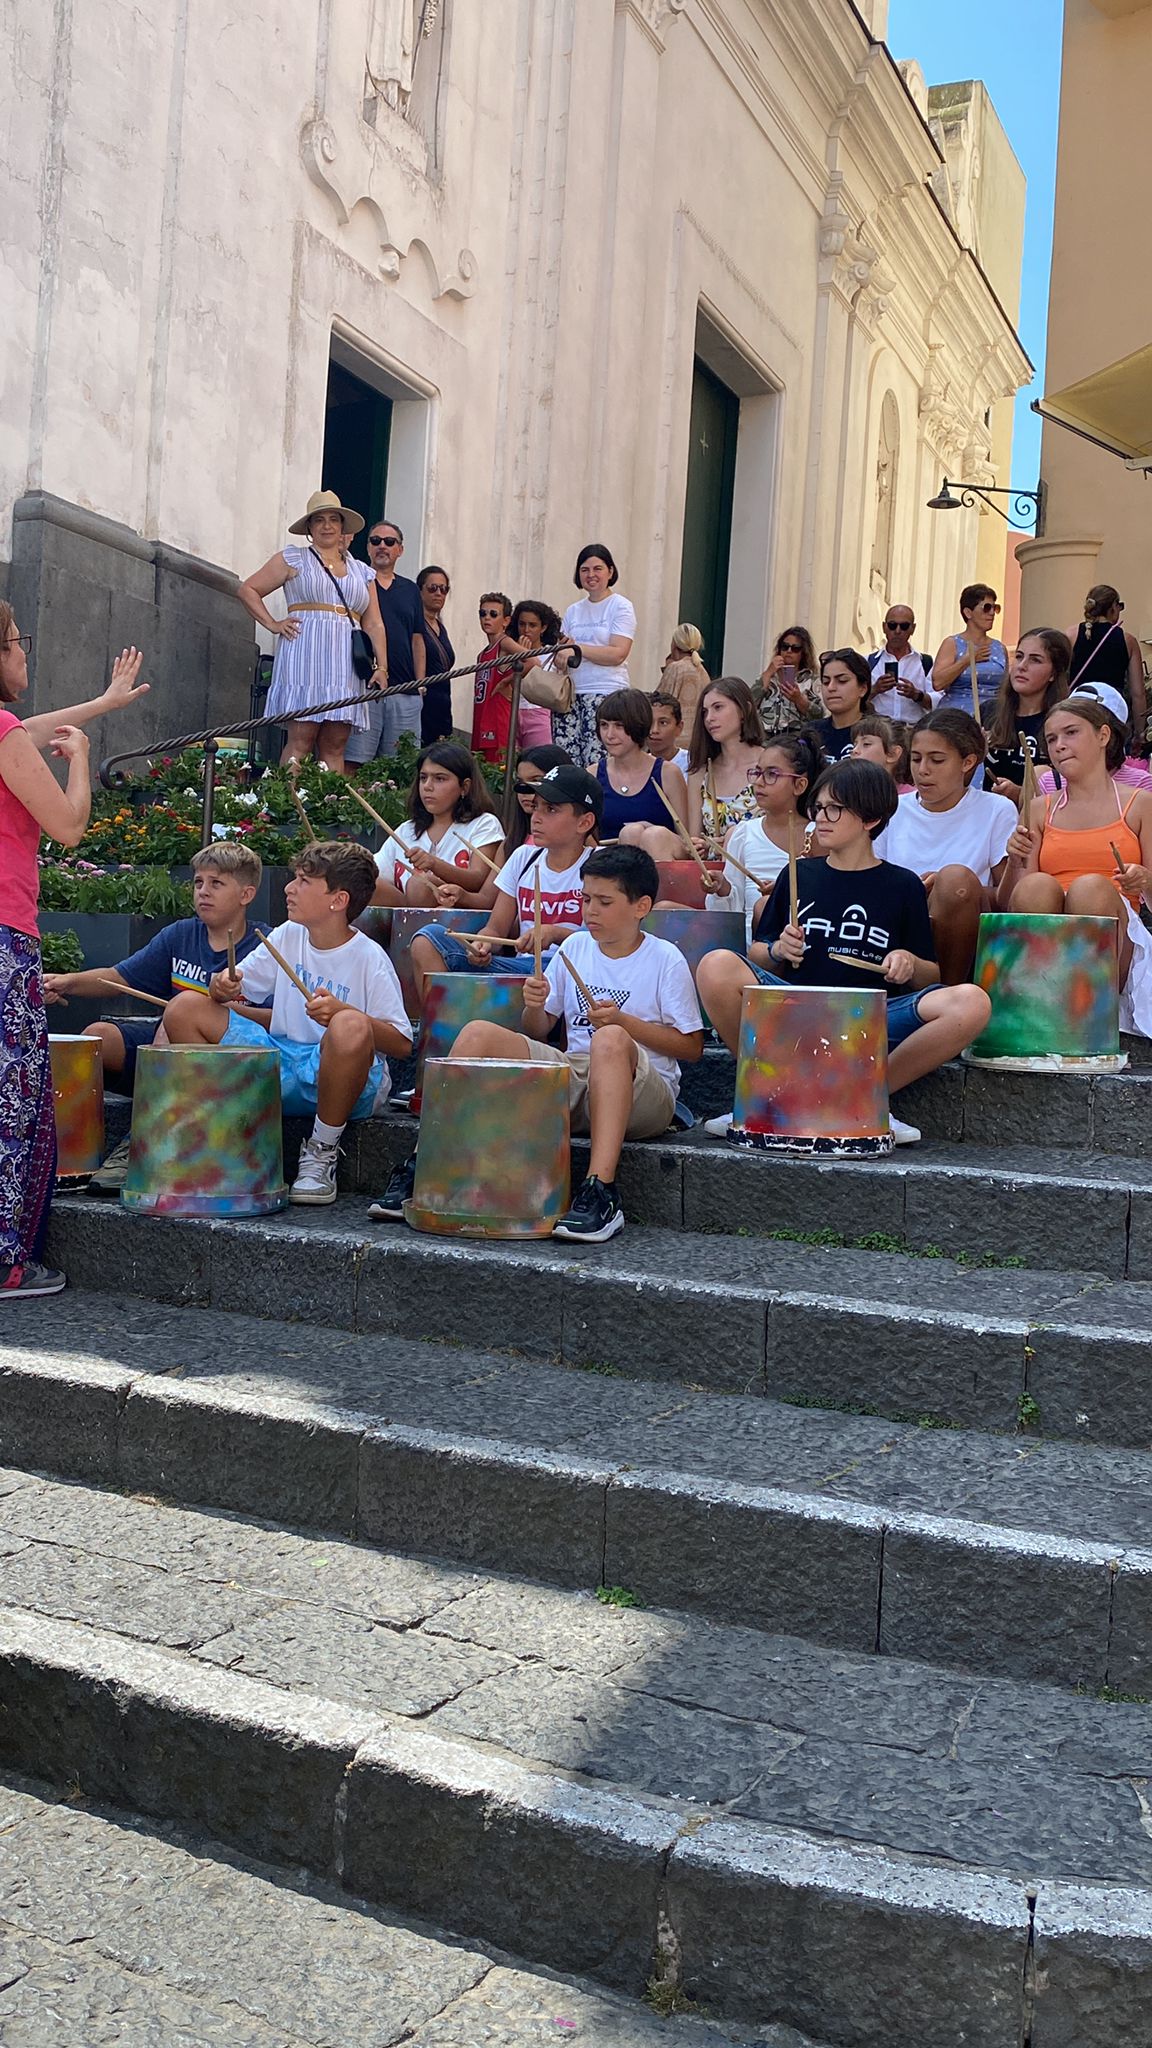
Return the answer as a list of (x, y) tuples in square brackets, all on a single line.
[(866, 912), (1006, 764)]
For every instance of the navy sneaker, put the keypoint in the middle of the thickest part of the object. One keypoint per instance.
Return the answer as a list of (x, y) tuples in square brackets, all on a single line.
[(23, 1283), (390, 1207), (595, 1215)]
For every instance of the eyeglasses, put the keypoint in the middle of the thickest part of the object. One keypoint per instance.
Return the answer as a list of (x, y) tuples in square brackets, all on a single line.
[(833, 812), (770, 775), (899, 625), (23, 640), (385, 540)]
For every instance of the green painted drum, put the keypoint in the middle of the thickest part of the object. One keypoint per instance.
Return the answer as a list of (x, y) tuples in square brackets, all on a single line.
[(206, 1132), (494, 1149), (1054, 988), (78, 1099)]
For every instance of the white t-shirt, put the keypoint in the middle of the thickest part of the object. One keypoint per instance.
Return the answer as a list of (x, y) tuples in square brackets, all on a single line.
[(755, 851), (593, 625), (561, 891), (456, 845), (887, 702), (974, 834), (653, 983), (358, 972)]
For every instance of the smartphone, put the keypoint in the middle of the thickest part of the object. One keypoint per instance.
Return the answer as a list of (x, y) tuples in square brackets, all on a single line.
[(892, 670), (788, 673)]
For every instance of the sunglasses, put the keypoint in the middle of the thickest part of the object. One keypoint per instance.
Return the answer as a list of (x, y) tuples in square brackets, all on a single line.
[(987, 605), (385, 540), (435, 590), (491, 611), (791, 647), (899, 625)]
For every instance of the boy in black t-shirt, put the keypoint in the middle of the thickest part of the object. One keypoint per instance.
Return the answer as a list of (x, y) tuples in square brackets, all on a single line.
[(851, 903)]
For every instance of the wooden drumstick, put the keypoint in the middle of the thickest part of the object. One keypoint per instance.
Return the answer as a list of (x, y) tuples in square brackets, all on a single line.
[(1116, 855), (293, 977), (299, 803), (1029, 788), (231, 954), (486, 939), (975, 683), (850, 960), (385, 827), (583, 989), (793, 877), (683, 831), (537, 928), (122, 989), (732, 862)]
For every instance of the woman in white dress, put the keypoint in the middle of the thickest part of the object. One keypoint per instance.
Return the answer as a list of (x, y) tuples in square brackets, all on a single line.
[(602, 624), (313, 663)]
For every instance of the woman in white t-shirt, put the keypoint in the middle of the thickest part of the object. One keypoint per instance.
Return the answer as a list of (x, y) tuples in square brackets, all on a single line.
[(951, 833), (451, 825), (602, 624)]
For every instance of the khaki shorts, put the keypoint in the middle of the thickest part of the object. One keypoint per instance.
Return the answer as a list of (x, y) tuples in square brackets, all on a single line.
[(653, 1102)]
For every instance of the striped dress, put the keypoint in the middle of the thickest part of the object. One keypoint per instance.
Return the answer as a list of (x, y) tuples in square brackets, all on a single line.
[(316, 667)]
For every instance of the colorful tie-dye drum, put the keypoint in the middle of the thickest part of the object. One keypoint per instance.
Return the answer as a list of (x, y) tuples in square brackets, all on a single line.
[(78, 1098), (494, 1152), (376, 923), (406, 924), (1054, 988), (682, 882), (453, 1000), (812, 1071), (206, 1132)]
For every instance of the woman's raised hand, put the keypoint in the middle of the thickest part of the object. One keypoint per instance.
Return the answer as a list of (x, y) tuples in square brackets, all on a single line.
[(123, 687)]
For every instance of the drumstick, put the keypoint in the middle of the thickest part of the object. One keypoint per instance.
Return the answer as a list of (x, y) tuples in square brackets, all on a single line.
[(683, 831), (583, 989), (122, 988), (975, 684), (485, 939), (793, 877), (1029, 788), (537, 928), (293, 977), (739, 866), (1120, 862), (382, 822), (305, 819), (850, 960), (231, 954)]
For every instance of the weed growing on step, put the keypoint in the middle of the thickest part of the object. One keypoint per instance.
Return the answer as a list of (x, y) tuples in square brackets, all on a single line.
[(884, 1241), (617, 1596), (1028, 1412), (607, 1372), (667, 2001)]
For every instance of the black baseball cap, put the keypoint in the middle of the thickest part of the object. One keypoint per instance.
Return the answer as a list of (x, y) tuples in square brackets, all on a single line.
[(568, 784)]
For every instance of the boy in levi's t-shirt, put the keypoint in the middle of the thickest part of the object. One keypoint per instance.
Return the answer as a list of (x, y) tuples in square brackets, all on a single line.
[(565, 820), (623, 1048)]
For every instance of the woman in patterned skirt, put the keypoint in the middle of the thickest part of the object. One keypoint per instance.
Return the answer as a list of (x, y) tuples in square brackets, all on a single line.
[(313, 663)]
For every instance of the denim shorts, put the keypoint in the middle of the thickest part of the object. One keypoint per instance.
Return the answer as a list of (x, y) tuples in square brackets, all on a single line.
[(300, 1066), (458, 960), (903, 1011), (135, 1031)]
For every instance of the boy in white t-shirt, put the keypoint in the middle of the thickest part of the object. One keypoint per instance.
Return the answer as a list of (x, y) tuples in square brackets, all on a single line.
[(623, 1050), (333, 1048), (951, 833), (565, 820)]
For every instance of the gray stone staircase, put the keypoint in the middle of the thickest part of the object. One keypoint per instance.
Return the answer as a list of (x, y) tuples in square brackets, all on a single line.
[(303, 1523)]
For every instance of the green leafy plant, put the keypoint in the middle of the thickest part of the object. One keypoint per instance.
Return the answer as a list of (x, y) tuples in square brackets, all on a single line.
[(61, 953), (143, 892), (1028, 1412), (616, 1596)]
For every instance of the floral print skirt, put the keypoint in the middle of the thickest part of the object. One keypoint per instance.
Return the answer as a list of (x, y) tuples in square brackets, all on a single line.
[(27, 1116)]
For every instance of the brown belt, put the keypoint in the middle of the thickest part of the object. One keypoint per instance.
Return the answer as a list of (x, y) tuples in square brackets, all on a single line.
[(337, 608)]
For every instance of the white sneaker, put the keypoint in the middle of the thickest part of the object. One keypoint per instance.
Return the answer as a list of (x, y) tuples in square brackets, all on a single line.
[(315, 1180), (904, 1134), (719, 1126)]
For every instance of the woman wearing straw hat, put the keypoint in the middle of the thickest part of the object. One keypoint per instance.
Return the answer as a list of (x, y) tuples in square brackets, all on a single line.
[(314, 642)]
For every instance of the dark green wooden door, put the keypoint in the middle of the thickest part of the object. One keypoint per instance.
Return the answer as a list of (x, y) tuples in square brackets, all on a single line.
[(357, 429), (708, 511)]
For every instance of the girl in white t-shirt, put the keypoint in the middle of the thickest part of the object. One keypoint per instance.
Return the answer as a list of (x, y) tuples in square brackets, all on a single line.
[(951, 833), (451, 824), (602, 624), (780, 781)]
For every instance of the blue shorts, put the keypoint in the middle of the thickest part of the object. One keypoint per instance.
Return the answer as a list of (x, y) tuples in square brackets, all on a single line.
[(299, 1067), (458, 960), (135, 1031), (903, 1011)]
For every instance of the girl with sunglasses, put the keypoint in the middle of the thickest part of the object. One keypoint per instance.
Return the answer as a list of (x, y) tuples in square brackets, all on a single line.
[(787, 694), (952, 668)]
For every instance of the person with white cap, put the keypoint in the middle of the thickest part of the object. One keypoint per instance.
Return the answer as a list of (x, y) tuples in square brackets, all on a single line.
[(1134, 773), (330, 595)]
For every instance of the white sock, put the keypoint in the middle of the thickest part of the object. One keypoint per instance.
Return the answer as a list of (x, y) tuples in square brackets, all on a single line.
[(327, 1134)]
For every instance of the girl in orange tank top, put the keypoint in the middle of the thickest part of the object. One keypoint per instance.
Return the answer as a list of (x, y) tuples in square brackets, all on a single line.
[(1088, 851)]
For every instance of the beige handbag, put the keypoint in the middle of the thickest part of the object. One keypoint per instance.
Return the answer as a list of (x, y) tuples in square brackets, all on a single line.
[(552, 689)]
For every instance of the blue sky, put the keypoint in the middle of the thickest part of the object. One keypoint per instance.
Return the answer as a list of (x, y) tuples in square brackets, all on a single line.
[(1014, 46)]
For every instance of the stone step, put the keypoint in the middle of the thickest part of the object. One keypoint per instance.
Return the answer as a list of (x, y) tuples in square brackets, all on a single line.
[(112, 1929), (864, 1848), (884, 1332), (1010, 1556)]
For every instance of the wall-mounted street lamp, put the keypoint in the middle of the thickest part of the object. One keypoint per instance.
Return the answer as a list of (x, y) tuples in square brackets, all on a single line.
[(1027, 505)]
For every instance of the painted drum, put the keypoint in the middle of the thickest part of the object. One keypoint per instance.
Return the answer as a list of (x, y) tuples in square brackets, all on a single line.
[(206, 1132), (376, 923), (682, 882), (78, 1099), (696, 932), (406, 924), (812, 1072), (453, 1000), (1054, 988), (494, 1149)]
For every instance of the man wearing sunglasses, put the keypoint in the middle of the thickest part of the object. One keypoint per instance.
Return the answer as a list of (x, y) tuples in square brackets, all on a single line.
[(901, 691), (402, 610)]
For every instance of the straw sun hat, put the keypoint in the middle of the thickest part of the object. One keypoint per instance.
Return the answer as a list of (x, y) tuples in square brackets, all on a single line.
[(327, 501)]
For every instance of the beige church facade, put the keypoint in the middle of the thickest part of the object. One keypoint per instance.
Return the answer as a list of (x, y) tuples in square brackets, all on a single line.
[(709, 280)]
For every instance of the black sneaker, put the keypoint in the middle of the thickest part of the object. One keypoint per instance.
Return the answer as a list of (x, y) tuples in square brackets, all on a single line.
[(595, 1215), (390, 1207), (21, 1283)]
